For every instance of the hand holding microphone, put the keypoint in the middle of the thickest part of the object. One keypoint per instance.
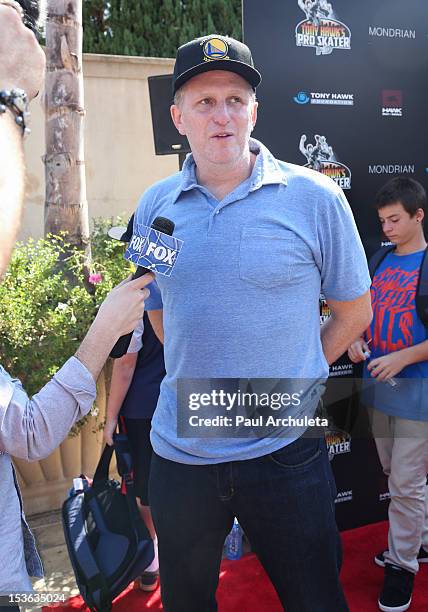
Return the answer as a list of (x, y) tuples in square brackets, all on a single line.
[(120, 313), (123, 307), (160, 224)]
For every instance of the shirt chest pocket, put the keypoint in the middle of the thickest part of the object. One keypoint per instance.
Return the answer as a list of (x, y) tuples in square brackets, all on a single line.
[(266, 256)]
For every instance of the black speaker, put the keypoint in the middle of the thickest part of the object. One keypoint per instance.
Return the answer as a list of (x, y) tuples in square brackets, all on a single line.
[(167, 140)]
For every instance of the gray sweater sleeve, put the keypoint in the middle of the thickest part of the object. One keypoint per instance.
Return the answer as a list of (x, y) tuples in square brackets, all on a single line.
[(32, 428)]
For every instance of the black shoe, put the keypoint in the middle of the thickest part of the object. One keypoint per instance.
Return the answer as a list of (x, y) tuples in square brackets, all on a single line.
[(396, 594), (422, 557)]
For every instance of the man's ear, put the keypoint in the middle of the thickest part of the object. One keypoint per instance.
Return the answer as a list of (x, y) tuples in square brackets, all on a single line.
[(254, 114), (420, 214), (176, 118)]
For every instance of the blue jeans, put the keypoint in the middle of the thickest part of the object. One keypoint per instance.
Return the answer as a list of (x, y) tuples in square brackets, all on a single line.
[(285, 504)]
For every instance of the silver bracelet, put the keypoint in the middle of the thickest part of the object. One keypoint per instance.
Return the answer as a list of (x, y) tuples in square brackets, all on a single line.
[(16, 101)]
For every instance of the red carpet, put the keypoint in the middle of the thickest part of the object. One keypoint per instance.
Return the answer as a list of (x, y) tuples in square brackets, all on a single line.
[(244, 586)]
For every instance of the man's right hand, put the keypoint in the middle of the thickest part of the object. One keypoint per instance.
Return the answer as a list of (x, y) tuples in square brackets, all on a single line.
[(357, 349), (22, 61)]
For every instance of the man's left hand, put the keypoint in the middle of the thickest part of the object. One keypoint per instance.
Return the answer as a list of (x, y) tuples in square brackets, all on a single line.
[(386, 367)]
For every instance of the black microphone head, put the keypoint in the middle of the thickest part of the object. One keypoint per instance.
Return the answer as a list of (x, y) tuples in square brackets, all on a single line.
[(164, 225), (127, 234)]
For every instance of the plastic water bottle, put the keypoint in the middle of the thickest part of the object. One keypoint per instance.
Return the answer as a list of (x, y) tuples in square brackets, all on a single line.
[(391, 381), (234, 542)]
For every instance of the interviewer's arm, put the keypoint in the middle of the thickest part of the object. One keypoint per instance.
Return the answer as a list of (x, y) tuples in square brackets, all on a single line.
[(348, 320), (32, 428)]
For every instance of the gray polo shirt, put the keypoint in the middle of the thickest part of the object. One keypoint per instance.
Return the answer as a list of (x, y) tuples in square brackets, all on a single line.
[(31, 429), (243, 298)]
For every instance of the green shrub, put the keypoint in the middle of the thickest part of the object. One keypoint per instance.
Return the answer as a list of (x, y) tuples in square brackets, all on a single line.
[(45, 308)]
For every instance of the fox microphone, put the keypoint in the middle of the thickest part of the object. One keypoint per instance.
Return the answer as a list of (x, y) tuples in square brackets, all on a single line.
[(160, 224)]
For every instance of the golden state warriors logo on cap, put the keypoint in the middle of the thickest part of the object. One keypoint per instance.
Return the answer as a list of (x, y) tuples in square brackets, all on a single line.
[(215, 49)]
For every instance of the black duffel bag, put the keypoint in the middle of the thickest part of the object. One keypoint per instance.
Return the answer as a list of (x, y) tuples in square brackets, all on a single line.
[(108, 542)]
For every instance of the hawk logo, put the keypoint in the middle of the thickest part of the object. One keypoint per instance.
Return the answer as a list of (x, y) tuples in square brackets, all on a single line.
[(344, 496), (320, 156), (321, 30), (392, 103)]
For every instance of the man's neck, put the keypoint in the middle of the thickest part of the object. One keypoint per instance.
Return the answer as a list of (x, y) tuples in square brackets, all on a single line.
[(415, 244), (221, 181)]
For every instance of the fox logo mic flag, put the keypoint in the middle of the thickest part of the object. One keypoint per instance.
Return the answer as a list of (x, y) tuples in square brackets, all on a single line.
[(153, 250)]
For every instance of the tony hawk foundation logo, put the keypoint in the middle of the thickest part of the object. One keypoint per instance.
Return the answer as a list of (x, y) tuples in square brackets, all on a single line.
[(321, 30), (324, 97), (320, 156)]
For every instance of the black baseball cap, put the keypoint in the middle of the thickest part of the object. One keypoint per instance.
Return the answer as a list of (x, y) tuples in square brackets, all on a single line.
[(214, 52)]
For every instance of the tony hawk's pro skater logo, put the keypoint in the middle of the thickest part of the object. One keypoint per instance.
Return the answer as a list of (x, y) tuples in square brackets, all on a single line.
[(321, 30), (320, 156), (325, 311), (338, 442)]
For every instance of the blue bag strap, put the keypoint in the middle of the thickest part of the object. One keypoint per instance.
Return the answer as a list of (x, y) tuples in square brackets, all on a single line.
[(377, 258), (102, 469), (124, 467)]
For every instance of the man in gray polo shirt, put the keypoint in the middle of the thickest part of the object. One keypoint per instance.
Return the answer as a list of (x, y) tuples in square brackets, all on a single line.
[(261, 239)]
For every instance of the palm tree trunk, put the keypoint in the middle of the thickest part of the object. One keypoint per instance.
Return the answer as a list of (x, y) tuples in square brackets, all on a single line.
[(66, 208)]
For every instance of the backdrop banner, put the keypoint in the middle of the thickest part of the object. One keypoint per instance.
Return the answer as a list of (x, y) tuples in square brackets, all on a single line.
[(343, 92)]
